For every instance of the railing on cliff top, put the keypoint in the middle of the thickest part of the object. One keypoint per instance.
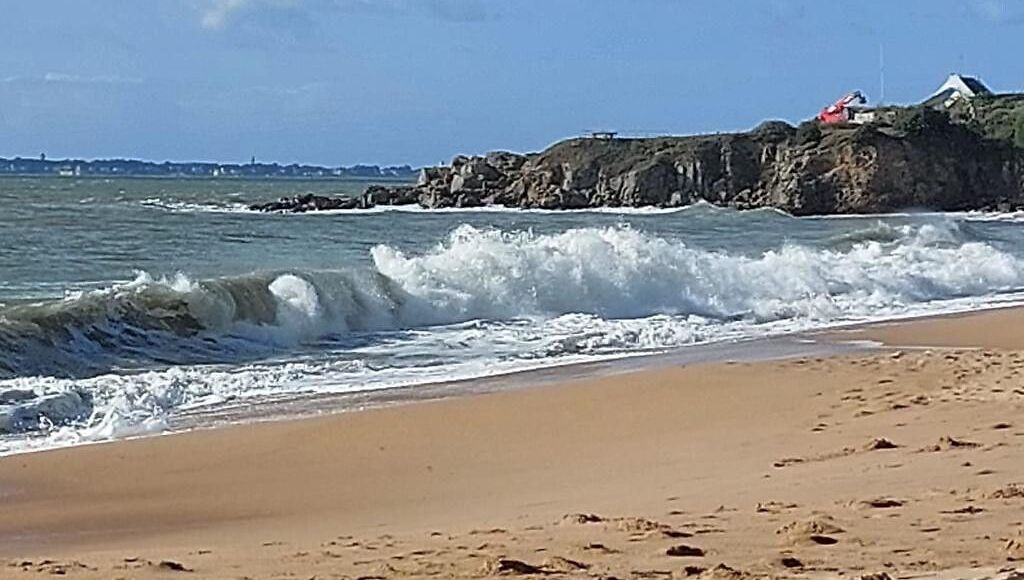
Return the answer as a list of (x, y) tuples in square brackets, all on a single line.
[(606, 135)]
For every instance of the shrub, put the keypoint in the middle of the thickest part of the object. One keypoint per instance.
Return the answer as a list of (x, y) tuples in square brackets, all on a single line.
[(864, 133), (774, 129), (1018, 130), (917, 120), (808, 132)]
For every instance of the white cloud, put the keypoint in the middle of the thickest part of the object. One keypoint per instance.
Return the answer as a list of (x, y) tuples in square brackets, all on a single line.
[(221, 14), (216, 13), (55, 77), (52, 77)]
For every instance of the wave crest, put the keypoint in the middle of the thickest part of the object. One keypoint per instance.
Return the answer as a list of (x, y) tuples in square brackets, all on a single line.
[(612, 273), (619, 272)]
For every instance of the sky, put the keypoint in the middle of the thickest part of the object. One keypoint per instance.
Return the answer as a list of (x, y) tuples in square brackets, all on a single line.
[(340, 82)]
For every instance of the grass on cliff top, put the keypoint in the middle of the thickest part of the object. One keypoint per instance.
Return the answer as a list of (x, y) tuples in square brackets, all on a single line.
[(993, 117), (999, 117)]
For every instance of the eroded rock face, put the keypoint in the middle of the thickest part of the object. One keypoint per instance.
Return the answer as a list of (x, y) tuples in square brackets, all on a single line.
[(847, 170), (844, 169)]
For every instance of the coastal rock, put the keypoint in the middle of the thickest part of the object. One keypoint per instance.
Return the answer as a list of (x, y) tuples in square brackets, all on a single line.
[(375, 195), (306, 203), (837, 170), (956, 163), (380, 195), (429, 175), (34, 414)]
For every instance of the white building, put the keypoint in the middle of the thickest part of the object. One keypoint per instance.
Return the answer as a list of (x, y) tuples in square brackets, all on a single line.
[(955, 88)]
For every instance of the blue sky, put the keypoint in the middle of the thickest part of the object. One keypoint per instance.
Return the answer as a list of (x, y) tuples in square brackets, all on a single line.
[(416, 81)]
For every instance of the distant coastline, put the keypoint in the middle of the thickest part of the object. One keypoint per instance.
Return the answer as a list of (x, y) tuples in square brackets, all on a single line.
[(41, 166)]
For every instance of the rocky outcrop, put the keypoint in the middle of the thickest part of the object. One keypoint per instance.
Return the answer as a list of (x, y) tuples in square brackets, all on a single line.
[(814, 170), (305, 203), (375, 195), (845, 170)]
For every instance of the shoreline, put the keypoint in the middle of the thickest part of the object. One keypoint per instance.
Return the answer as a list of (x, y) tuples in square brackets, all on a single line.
[(744, 448), (846, 337), (305, 406), (297, 407)]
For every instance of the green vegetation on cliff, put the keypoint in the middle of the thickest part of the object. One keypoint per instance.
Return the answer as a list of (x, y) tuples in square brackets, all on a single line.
[(967, 158), (1018, 130), (808, 132), (993, 116), (919, 120)]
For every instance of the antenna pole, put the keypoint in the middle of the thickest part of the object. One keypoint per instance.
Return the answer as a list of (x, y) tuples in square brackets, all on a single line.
[(881, 73)]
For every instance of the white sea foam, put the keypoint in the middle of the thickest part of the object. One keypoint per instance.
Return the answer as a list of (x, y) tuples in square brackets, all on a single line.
[(624, 273), (480, 302), (175, 205)]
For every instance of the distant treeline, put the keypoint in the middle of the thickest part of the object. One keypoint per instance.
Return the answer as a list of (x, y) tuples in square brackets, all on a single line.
[(133, 167)]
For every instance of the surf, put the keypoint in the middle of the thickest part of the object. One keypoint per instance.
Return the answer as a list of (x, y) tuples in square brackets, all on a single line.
[(126, 358)]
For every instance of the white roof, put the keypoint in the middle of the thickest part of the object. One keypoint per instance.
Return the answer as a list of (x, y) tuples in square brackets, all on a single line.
[(966, 86)]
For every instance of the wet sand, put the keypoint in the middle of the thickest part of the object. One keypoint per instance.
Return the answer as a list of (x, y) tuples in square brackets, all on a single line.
[(904, 462)]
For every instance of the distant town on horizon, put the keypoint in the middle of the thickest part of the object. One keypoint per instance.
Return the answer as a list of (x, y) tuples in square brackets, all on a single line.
[(137, 168), (851, 109)]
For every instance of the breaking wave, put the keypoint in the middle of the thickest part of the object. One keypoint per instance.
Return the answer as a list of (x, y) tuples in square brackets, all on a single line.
[(474, 274), (117, 360), (624, 273), (149, 322)]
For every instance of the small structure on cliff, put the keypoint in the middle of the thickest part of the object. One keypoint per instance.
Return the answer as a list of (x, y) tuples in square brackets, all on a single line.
[(873, 168), (955, 88), (842, 111)]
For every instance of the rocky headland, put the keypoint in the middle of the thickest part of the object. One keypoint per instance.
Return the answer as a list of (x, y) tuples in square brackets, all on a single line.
[(966, 158)]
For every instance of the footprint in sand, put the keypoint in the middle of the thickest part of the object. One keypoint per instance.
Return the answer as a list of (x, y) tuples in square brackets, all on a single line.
[(774, 507), (1014, 546), (881, 503), (600, 548), (879, 444), (560, 565), (1011, 491), (947, 443), (172, 566), (790, 562), (969, 510), (684, 551), (817, 530)]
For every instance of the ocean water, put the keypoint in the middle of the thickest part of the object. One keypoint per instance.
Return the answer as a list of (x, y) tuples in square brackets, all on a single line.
[(127, 303)]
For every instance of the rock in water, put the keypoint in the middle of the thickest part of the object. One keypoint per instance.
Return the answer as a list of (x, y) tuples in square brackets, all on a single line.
[(380, 195), (306, 203), (34, 414), (16, 396)]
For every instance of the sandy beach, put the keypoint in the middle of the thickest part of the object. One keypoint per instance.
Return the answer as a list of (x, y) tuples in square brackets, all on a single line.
[(904, 461)]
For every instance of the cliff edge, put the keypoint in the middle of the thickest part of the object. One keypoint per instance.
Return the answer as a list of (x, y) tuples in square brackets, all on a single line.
[(961, 159)]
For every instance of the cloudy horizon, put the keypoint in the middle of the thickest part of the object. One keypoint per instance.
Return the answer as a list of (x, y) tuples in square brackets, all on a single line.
[(341, 82)]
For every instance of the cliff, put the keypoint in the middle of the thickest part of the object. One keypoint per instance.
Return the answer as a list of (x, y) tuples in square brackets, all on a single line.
[(917, 158), (842, 170)]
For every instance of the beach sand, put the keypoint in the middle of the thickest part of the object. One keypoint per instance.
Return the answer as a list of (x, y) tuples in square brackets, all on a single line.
[(905, 462)]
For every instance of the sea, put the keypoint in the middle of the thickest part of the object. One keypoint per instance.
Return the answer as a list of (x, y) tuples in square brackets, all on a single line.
[(128, 305)]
